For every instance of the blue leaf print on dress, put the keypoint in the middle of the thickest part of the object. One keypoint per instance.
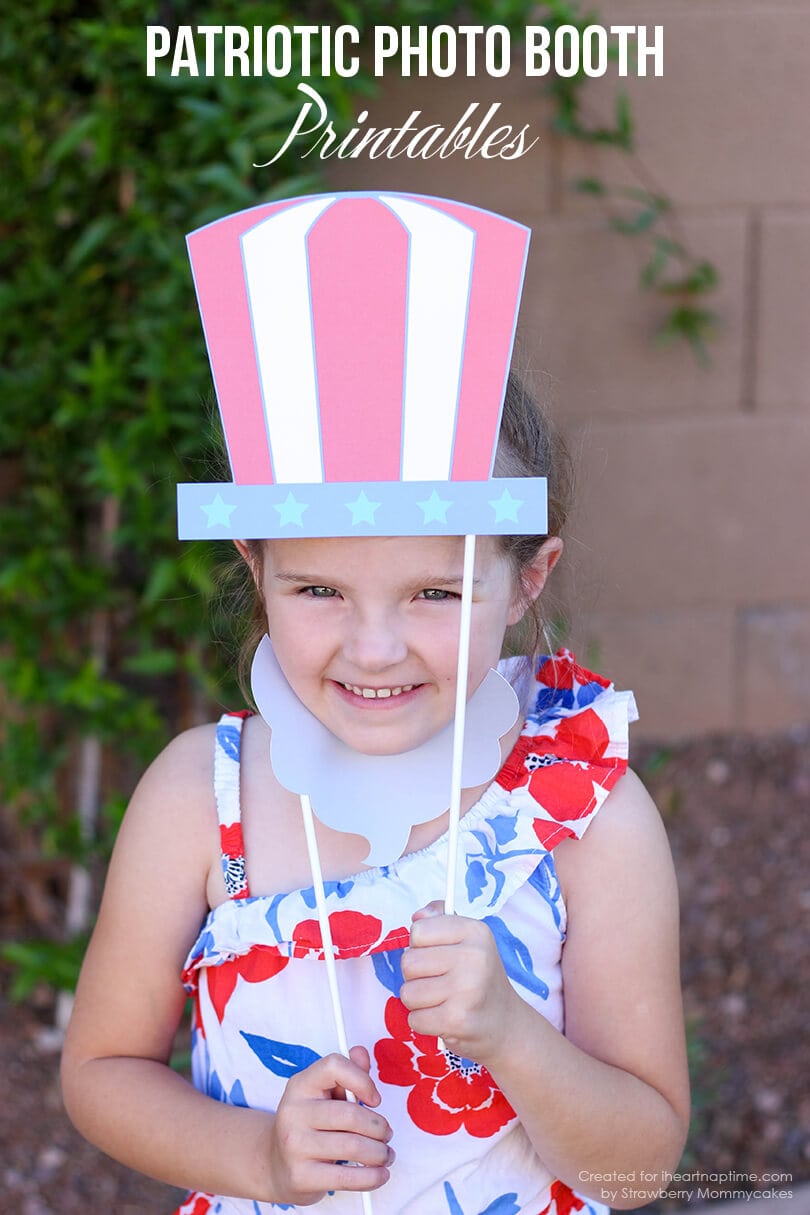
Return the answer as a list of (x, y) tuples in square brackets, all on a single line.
[(215, 1088), (452, 1202), (388, 969), (491, 857), (588, 693), (228, 739), (235, 1097), (517, 961), (206, 945), (271, 915), (341, 889), (476, 880), (282, 1058), (544, 880), (503, 825), (549, 701), (505, 1204)]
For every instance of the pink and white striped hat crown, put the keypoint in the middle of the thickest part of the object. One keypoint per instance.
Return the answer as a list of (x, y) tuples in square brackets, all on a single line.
[(360, 345)]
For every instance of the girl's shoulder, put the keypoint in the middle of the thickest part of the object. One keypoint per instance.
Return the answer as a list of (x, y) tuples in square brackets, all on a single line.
[(184, 767), (626, 840), (173, 805)]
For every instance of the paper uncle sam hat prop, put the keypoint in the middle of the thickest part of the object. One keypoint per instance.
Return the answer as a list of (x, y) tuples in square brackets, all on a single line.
[(360, 345)]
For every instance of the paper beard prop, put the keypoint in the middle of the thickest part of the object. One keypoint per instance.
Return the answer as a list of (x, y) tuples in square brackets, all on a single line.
[(377, 796)]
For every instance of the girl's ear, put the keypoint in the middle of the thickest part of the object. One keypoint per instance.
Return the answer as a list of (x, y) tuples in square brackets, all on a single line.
[(253, 564), (533, 576)]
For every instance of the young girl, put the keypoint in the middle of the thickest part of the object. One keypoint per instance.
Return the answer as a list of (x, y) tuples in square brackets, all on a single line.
[(523, 1056)]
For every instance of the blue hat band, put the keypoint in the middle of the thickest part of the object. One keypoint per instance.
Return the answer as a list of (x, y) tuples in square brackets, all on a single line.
[(502, 506)]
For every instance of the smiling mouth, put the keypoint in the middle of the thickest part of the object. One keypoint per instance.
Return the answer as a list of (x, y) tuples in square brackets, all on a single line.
[(378, 693)]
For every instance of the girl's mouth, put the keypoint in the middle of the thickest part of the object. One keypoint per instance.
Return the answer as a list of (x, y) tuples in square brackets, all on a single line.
[(369, 697), (379, 693)]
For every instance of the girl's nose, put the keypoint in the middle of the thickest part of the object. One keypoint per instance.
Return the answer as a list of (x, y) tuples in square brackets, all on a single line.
[(374, 643)]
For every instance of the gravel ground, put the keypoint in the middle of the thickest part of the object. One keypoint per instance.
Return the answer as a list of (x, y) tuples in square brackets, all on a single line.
[(735, 810)]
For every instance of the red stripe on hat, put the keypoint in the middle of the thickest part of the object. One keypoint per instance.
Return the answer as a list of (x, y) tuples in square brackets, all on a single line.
[(500, 253), (358, 255), (222, 296)]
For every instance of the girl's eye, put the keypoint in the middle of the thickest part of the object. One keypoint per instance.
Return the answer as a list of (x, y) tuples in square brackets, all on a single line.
[(437, 596), (319, 592)]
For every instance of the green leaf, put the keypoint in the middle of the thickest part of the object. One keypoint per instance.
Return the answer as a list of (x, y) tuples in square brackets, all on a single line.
[(94, 236), (638, 224), (56, 963), (75, 134), (590, 185), (624, 122), (152, 662)]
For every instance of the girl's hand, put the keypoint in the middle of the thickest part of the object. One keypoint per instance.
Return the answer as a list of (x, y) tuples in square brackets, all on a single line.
[(455, 985), (316, 1130)]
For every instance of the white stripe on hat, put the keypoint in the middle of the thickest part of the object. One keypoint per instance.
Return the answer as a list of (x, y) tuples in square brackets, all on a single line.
[(277, 278), (439, 274)]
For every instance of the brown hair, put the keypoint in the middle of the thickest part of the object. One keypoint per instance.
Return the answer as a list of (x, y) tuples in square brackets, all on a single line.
[(528, 446)]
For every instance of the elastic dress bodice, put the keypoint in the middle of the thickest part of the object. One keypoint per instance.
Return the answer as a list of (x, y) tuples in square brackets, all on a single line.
[(261, 1004)]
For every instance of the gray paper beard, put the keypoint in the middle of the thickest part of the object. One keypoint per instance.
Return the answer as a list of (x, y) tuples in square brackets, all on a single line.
[(380, 797)]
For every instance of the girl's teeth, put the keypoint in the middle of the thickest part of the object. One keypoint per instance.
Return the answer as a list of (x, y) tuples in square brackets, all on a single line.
[(378, 693)]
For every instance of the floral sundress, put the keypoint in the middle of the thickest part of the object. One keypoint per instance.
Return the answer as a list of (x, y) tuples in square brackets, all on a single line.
[(261, 1005)]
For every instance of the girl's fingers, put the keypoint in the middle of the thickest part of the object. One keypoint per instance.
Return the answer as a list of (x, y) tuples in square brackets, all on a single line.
[(423, 993), (428, 961), (334, 1071), (432, 1023), (439, 929), (360, 1056), (332, 1146), (346, 1117), (432, 909), (348, 1177)]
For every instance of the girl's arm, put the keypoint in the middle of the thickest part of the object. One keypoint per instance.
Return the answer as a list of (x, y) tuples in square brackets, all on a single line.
[(117, 1085), (611, 1096)]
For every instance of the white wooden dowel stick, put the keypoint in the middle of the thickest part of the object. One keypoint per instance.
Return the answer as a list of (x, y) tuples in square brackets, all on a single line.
[(459, 723), (328, 947)]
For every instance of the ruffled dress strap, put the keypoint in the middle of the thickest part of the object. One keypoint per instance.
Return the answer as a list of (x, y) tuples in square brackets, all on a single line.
[(573, 748), (227, 754)]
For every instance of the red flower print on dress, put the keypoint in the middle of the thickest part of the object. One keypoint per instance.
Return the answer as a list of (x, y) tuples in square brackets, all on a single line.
[(557, 671), (195, 1204), (563, 671), (262, 962), (230, 839), (447, 1092), (564, 1199), (353, 934), (560, 769)]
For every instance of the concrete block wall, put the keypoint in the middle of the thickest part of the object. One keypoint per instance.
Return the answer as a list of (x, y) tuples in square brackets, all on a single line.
[(688, 571)]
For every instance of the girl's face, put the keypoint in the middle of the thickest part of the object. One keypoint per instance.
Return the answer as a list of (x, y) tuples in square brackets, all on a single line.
[(366, 630)]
